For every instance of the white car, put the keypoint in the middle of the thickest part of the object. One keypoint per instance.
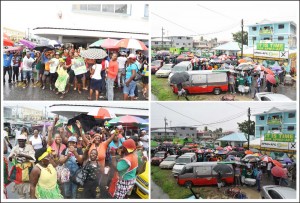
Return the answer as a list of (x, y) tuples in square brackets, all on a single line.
[(169, 162), (277, 192), (270, 96), (181, 67), (164, 71)]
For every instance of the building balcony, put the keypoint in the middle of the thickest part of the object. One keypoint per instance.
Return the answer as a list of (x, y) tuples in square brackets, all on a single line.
[(274, 121), (266, 32)]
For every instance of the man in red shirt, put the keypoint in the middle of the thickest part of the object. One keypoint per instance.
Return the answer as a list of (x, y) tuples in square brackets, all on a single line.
[(112, 72)]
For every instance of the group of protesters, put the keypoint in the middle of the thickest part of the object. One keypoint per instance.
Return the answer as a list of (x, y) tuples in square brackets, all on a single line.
[(58, 68), (47, 166)]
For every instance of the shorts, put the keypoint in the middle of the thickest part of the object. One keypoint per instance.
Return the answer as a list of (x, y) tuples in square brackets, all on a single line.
[(79, 78), (130, 89), (27, 74), (145, 79), (96, 84), (42, 69)]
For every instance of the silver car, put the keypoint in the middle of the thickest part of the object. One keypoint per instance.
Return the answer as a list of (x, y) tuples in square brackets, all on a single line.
[(164, 71), (277, 192), (270, 96), (169, 162)]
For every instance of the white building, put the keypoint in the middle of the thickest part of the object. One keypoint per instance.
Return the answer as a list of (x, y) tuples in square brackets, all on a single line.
[(83, 24), (157, 42), (181, 41)]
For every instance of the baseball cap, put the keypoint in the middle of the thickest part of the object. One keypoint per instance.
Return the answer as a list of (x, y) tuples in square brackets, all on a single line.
[(131, 56), (143, 131), (72, 139), (22, 137), (129, 145)]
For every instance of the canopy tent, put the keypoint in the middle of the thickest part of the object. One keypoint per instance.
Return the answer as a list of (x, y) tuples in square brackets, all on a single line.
[(234, 137), (229, 46), (254, 143)]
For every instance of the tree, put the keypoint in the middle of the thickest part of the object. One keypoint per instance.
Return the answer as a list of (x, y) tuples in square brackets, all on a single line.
[(205, 128), (238, 37), (243, 127)]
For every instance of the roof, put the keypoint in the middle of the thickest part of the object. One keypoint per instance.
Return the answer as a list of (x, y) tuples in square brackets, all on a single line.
[(256, 141), (277, 110), (265, 22), (229, 46), (238, 137), (163, 130)]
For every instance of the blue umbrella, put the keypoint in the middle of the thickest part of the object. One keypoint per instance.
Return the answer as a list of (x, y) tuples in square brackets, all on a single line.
[(287, 160)]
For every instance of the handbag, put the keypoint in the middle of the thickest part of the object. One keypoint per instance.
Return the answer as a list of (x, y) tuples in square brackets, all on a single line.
[(80, 176)]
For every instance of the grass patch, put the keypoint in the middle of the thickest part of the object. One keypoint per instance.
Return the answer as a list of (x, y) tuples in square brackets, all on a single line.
[(161, 89)]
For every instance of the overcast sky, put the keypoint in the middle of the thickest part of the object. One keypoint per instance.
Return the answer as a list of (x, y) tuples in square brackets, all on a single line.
[(202, 113), (219, 18)]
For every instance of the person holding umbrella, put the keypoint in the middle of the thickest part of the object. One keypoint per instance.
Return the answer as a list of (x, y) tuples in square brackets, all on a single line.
[(96, 79)]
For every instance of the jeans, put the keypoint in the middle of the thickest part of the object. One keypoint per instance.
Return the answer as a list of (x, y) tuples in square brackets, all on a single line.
[(110, 89), (103, 76), (232, 88), (136, 91), (258, 185), (120, 82), (27, 74), (70, 190), (9, 70), (130, 89), (256, 90), (16, 73)]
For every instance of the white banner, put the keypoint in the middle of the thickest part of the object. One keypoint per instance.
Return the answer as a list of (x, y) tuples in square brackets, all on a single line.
[(272, 54), (277, 145)]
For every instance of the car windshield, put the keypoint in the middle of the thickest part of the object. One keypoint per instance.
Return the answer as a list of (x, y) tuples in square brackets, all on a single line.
[(168, 67), (183, 160), (179, 68), (155, 63), (170, 159), (159, 155)]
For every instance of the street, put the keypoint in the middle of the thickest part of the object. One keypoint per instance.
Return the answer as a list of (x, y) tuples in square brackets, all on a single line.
[(15, 92)]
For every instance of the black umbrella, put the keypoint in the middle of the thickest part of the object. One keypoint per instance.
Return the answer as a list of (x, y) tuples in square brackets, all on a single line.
[(87, 122), (179, 77), (228, 61), (41, 48), (222, 168), (234, 153)]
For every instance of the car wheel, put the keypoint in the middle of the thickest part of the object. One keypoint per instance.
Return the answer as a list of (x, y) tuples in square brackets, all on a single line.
[(217, 91), (188, 184)]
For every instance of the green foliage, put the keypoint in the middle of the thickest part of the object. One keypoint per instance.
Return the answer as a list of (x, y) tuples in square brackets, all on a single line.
[(238, 37), (243, 127)]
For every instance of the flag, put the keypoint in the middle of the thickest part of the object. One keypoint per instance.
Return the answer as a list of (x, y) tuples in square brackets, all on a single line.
[(58, 124), (70, 128)]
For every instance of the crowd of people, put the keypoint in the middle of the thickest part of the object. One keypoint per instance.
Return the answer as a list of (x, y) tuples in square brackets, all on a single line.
[(102, 162), (64, 68)]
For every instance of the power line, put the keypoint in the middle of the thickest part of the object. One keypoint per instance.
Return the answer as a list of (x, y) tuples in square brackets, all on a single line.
[(216, 12)]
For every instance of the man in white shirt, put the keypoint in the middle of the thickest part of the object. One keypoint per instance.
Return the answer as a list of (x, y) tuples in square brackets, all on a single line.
[(121, 61), (27, 69), (144, 138), (53, 68)]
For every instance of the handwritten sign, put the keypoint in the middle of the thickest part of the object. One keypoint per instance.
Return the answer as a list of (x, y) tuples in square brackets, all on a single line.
[(79, 66)]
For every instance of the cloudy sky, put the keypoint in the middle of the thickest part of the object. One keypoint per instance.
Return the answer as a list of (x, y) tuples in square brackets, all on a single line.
[(217, 19), (224, 114)]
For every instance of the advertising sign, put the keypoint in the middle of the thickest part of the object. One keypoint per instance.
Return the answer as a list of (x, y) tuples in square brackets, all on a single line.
[(270, 46), (276, 137), (276, 145), (271, 54), (79, 66)]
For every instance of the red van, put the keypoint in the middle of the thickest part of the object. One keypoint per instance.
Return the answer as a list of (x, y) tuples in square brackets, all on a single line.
[(205, 81), (202, 173)]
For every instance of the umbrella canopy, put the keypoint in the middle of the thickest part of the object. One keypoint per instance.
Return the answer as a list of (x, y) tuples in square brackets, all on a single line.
[(102, 113), (276, 163), (128, 121), (219, 148), (13, 49), (179, 77), (247, 59), (276, 68), (131, 44), (229, 148), (271, 78), (223, 168), (248, 152), (287, 160), (269, 71), (266, 159), (233, 153), (93, 54), (242, 61), (106, 43), (27, 43), (54, 43), (41, 48), (251, 159), (7, 41), (259, 68), (278, 172), (244, 66)]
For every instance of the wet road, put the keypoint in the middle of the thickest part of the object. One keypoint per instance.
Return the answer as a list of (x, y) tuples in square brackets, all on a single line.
[(16, 92), (157, 192)]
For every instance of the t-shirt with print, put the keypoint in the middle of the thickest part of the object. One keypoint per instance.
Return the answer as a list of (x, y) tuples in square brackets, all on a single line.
[(7, 60), (54, 65), (15, 61)]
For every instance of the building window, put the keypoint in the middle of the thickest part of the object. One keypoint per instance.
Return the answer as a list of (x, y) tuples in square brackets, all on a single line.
[(174, 134), (146, 11), (280, 38), (275, 128), (253, 28), (189, 43), (158, 133), (281, 26), (178, 37), (261, 128), (121, 8), (155, 42), (182, 128), (290, 128), (108, 8), (188, 38), (261, 118), (254, 38), (180, 135), (291, 115), (183, 43), (177, 43), (267, 38)]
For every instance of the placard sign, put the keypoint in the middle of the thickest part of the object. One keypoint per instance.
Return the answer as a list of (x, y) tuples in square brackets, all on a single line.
[(79, 66)]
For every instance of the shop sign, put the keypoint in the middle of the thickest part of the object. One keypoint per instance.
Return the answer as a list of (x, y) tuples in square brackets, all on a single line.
[(276, 137), (293, 146), (271, 54), (276, 145), (270, 46)]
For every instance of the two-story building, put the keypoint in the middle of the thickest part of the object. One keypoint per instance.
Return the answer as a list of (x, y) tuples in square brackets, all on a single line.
[(158, 42), (275, 32), (175, 132), (181, 41)]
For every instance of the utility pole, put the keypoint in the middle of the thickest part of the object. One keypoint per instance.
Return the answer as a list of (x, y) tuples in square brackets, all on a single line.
[(242, 38), (249, 114), (165, 127), (162, 38), (28, 34), (45, 113)]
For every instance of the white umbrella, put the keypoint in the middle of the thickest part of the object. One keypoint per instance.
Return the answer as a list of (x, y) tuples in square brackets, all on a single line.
[(93, 54)]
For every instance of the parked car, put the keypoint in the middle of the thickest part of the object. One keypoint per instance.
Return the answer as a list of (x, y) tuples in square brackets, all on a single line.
[(142, 183), (270, 96), (169, 162), (277, 192), (182, 161), (158, 158), (181, 67), (164, 71), (202, 173), (156, 65), (205, 81)]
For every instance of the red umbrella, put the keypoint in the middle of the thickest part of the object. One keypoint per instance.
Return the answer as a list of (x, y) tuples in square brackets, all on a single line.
[(278, 171), (131, 44), (219, 148), (102, 113), (269, 71), (7, 41), (271, 78), (248, 152), (276, 163), (110, 43)]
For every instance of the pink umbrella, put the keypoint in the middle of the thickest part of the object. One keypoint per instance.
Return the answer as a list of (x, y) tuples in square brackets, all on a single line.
[(219, 148), (278, 172), (110, 43), (131, 44), (267, 159), (259, 68), (271, 78), (269, 71)]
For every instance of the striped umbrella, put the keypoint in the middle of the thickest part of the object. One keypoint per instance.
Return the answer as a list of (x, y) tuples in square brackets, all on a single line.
[(93, 54), (102, 113), (106, 43), (131, 44), (267, 159)]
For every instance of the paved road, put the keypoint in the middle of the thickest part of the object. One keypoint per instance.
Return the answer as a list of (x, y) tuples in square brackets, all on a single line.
[(157, 192), (153, 97), (16, 92)]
